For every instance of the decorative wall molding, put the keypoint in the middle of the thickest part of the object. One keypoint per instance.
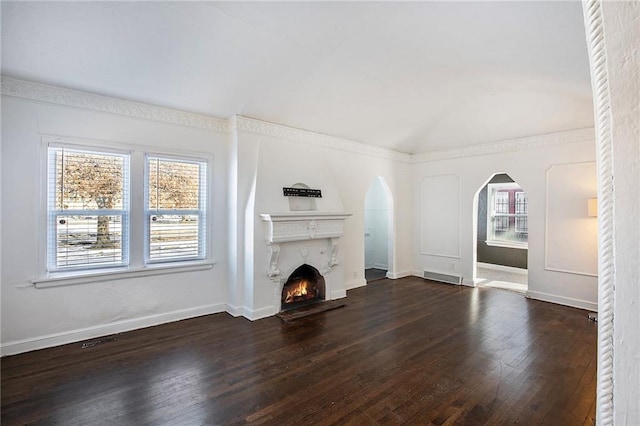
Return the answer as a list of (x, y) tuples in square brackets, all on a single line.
[(265, 128), (79, 99), (592, 10), (439, 226), (567, 246), (510, 145)]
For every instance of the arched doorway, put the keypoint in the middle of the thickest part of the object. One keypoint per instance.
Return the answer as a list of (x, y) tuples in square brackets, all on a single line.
[(378, 231), (501, 234)]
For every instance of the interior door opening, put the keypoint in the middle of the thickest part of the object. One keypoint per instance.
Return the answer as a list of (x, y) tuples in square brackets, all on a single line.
[(501, 243)]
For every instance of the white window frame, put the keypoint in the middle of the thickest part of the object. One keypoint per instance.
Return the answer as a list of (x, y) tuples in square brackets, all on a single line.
[(137, 267), (201, 211), (492, 189), (53, 213), (522, 215)]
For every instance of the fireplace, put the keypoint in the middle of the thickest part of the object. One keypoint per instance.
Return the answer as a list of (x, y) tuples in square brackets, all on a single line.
[(303, 287), (301, 262)]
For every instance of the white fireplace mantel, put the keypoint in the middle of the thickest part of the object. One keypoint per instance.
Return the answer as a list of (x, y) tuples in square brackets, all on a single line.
[(302, 226), (283, 227)]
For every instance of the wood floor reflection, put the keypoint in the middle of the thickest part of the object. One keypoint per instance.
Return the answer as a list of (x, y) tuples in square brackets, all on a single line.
[(407, 351)]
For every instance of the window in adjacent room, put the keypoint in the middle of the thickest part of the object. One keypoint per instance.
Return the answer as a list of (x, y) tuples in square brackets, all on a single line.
[(507, 219), (88, 209)]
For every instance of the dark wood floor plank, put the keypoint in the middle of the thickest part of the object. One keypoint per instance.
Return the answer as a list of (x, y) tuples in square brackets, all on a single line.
[(407, 351)]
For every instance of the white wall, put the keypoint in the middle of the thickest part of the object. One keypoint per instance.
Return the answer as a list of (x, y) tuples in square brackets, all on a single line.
[(34, 318), (529, 168), (623, 60), (376, 226)]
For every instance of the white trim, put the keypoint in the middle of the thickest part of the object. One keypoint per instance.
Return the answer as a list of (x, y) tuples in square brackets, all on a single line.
[(85, 100), (547, 220), (113, 275), (234, 311), (287, 217), (509, 145), (566, 271), (56, 339), (118, 146), (502, 268), (256, 314), (507, 244), (80, 99), (252, 125), (422, 207), (560, 300), (380, 266), (338, 294), (398, 275), (360, 282), (469, 283)]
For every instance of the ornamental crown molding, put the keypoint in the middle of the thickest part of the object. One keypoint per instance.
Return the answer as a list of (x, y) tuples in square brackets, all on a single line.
[(510, 145), (265, 128), (79, 99)]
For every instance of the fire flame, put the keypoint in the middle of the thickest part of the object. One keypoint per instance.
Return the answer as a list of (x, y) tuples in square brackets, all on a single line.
[(299, 292)]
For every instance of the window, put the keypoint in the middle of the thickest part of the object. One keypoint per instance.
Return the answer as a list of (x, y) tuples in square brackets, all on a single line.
[(90, 210), (175, 210), (507, 219)]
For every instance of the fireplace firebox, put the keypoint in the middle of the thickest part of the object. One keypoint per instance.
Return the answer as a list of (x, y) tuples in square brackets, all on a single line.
[(303, 287)]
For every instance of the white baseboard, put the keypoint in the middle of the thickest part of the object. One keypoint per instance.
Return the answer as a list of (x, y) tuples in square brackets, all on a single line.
[(397, 275), (380, 266), (360, 282), (267, 311), (78, 335), (338, 294), (469, 283), (234, 311), (561, 300), (503, 268)]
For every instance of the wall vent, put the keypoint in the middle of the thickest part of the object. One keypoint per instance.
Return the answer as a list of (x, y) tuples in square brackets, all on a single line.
[(445, 278)]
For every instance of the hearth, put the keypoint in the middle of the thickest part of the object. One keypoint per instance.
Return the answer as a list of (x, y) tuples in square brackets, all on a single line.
[(304, 286)]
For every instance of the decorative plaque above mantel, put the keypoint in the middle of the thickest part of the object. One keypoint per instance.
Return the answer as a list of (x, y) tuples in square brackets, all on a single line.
[(302, 192)]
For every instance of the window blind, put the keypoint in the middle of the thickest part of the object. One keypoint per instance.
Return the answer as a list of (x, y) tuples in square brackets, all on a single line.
[(88, 209), (175, 192)]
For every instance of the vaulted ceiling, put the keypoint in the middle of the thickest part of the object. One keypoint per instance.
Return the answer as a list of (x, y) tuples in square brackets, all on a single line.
[(413, 77)]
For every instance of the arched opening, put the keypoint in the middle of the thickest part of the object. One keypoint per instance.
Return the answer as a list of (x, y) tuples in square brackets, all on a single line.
[(378, 231), (501, 234)]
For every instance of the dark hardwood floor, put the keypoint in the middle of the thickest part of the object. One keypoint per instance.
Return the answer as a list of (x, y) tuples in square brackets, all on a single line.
[(401, 352)]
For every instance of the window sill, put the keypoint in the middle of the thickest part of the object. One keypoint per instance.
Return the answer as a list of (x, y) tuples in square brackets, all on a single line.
[(504, 244), (111, 275)]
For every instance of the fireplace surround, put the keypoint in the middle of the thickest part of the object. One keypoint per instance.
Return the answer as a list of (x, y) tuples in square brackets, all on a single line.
[(304, 246)]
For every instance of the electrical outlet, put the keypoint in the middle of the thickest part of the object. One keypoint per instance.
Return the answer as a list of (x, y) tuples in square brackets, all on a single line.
[(355, 274), (452, 266)]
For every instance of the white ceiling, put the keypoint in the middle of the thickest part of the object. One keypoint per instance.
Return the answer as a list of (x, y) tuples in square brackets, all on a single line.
[(412, 77)]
